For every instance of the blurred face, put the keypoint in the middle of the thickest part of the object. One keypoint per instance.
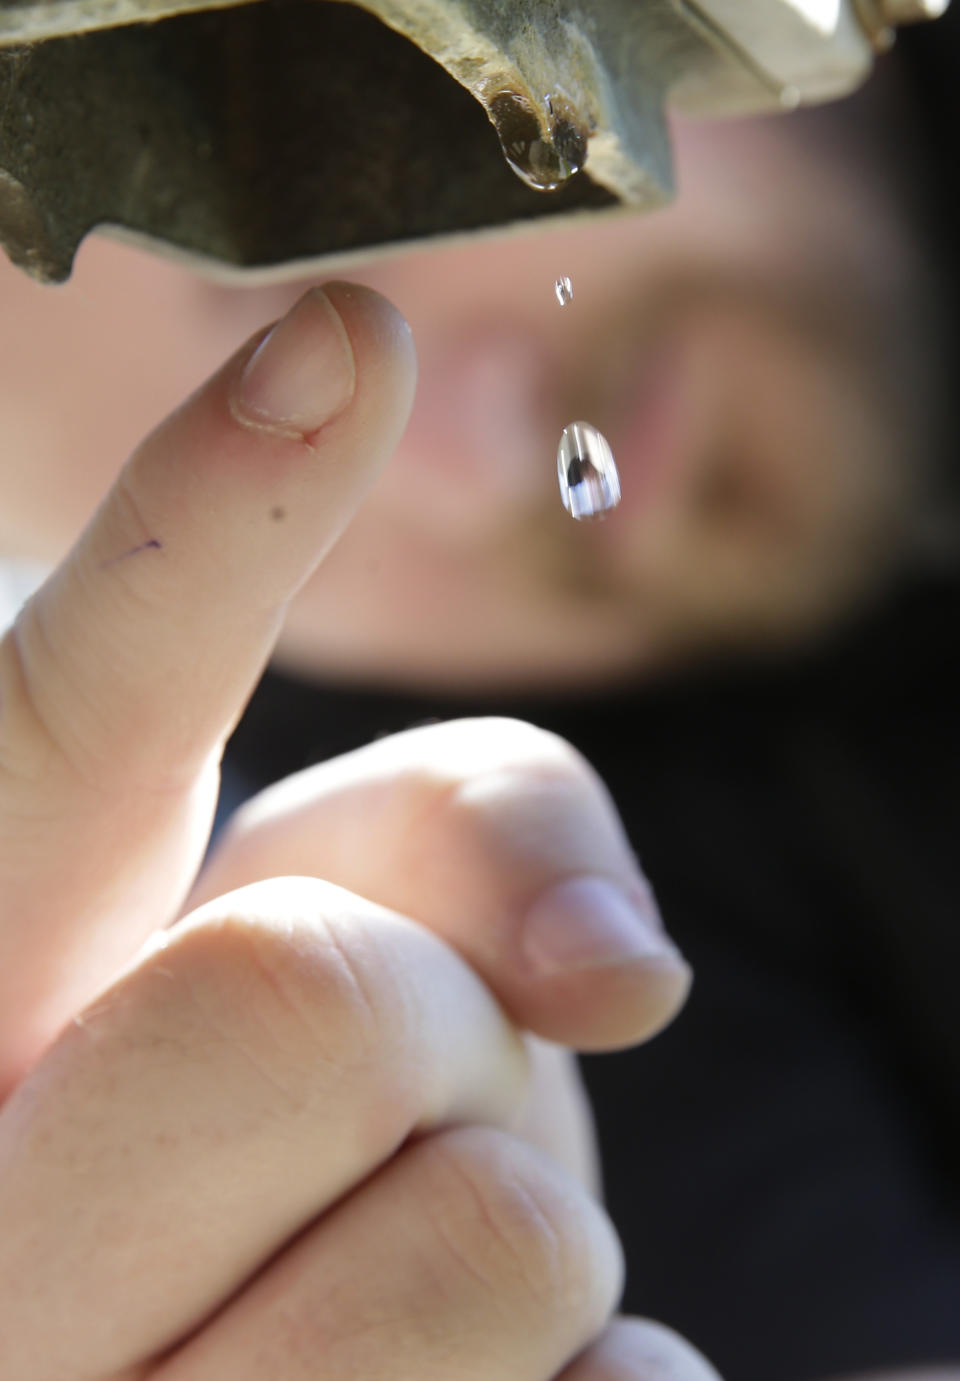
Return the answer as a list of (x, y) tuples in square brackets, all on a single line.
[(739, 350)]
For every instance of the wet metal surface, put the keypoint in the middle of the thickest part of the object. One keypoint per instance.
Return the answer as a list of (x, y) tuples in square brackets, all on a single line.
[(258, 134)]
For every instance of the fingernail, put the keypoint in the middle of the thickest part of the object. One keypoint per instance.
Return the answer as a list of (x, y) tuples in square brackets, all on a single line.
[(302, 374), (589, 922)]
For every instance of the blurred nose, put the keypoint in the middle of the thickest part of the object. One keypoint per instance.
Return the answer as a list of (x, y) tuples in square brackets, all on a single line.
[(479, 444)]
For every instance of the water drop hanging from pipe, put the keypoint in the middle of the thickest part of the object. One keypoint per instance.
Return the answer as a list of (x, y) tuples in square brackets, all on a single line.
[(586, 470)]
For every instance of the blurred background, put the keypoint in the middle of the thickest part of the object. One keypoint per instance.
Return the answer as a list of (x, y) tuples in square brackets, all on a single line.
[(757, 650)]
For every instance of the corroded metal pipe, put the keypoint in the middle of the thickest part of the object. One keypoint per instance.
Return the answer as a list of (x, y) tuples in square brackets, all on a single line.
[(263, 137)]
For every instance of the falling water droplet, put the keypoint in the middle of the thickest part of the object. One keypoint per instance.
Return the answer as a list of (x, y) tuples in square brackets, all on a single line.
[(587, 471), (564, 290), (543, 153)]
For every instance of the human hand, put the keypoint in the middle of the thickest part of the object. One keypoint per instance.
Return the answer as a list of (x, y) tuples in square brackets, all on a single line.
[(501, 839), (236, 1155), (125, 673)]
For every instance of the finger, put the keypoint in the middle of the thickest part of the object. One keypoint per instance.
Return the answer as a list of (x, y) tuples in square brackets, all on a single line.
[(639, 1350), (504, 841), (124, 674), (556, 1115), (468, 1256), (214, 1101)]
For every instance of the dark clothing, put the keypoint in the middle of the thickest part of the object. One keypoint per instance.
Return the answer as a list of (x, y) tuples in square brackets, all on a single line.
[(783, 1164)]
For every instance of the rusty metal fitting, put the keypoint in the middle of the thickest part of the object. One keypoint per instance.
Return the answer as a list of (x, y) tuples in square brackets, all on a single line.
[(266, 139), (881, 18)]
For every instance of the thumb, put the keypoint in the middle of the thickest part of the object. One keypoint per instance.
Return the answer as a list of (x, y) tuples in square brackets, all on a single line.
[(126, 672), (501, 839)]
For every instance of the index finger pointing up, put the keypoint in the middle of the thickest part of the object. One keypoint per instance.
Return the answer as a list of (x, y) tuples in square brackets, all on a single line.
[(124, 674)]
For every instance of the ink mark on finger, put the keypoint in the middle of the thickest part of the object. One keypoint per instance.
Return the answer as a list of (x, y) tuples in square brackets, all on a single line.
[(154, 543)]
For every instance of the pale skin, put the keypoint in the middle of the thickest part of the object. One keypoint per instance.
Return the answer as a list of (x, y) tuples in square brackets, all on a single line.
[(294, 1061), (348, 1022)]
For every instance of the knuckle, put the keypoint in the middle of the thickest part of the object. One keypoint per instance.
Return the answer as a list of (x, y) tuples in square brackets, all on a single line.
[(294, 995), (531, 769), (461, 750), (530, 801), (56, 725), (497, 742), (32, 746), (511, 1222)]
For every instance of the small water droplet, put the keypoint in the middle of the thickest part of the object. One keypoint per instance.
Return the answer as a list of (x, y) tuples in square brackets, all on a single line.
[(587, 471), (564, 290), (543, 153)]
